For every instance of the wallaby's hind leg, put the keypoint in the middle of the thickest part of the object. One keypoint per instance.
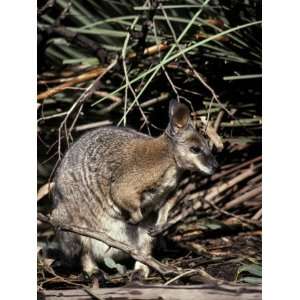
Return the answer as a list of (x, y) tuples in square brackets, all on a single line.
[(70, 247), (142, 271), (91, 271), (89, 266)]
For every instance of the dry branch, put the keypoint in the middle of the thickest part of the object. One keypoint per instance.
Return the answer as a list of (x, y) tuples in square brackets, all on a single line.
[(152, 50), (244, 197), (103, 237), (155, 292), (44, 190), (257, 215), (78, 79)]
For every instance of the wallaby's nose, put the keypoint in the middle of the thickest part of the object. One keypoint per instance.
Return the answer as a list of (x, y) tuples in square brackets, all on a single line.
[(213, 164)]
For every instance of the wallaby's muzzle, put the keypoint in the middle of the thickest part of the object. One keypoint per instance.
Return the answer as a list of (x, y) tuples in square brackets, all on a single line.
[(212, 164), (206, 164)]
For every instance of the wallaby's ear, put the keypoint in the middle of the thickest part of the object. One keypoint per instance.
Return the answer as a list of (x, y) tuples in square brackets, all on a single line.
[(179, 115)]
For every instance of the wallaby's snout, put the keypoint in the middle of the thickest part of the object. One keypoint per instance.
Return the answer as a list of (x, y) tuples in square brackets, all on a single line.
[(191, 149), (211, 164)]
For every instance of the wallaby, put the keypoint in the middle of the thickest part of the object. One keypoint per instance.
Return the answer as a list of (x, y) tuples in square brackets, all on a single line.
[(116, 180)]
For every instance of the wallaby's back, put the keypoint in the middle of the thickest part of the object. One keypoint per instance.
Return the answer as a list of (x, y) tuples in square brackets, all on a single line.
[(83, 180)]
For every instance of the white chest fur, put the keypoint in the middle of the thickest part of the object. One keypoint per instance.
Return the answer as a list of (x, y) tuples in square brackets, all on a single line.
[(161, 190)]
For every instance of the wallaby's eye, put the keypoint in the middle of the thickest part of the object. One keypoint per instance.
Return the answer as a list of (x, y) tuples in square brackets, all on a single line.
[(195, 149)]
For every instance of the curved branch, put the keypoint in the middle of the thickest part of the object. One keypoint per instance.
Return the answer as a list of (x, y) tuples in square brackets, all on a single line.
[(104, 238)]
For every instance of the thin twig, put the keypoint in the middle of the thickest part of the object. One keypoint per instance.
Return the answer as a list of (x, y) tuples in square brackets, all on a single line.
[(165, 59), (128, 84), (207, 277), (197, 75), (78, 104), (223, 211)]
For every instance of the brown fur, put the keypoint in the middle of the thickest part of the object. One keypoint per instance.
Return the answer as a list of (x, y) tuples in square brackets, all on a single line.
[(156, 157)]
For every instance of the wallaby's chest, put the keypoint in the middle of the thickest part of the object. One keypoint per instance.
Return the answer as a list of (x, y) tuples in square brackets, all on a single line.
[(160, 190)]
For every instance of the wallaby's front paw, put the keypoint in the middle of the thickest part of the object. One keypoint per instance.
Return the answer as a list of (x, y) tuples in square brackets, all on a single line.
[(154, 230), (136, 217)]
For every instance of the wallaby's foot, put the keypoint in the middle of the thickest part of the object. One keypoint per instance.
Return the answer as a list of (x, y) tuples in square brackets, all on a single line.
[(91, 272), (136, 216), (137, 276), (140, 273), (95, 279)]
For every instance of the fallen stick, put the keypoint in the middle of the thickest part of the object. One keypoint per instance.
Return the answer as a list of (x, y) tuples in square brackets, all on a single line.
[(151, 292), (238, 200)]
